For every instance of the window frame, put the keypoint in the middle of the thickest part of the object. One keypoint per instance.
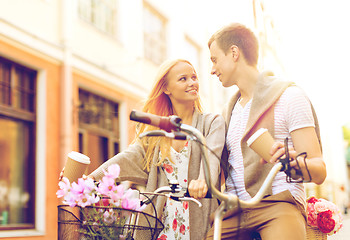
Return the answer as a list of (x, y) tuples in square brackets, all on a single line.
[(190, 43), (89, 11), (155, 45), (12, 110), (84, 129)]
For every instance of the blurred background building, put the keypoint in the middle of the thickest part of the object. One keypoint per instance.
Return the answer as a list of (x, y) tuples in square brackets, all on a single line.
[(71, 72)]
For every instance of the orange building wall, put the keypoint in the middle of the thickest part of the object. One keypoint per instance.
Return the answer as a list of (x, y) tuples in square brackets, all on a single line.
[(22, 55)]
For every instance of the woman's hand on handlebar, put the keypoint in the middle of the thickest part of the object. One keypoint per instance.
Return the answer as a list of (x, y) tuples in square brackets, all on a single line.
[(198, 188)]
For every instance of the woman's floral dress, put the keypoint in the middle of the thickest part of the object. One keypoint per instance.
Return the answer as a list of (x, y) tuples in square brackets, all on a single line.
[(176, 214)]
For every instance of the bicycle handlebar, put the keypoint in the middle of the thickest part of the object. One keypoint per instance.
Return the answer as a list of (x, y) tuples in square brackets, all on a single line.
[(171, 123), (175, 192), (173, 126)]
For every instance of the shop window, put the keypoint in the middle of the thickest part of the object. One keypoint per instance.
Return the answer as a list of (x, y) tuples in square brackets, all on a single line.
[(17, 146), (154, 35), (98, 128)]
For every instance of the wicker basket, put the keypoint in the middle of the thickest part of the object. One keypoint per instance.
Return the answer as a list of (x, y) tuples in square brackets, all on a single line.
[(315, 234), (80, 224)]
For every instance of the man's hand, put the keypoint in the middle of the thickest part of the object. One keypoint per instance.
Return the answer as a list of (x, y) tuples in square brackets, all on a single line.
[(298, 163)]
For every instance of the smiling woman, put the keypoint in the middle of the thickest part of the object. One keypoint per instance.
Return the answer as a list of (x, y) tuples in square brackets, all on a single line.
[(156, 161), (182, 88)]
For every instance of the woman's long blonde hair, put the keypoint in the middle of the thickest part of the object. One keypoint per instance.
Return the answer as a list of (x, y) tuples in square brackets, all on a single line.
[(160, 104)]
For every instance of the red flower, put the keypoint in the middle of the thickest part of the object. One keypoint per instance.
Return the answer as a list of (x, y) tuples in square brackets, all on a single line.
[(325, 222), (182, 229), (104, 202), (168, 168), (174, 224), (185, 204), (163, 237), (312, 200)]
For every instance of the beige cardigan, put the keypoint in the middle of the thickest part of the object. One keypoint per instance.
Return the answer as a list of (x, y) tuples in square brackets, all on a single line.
[(130, 161), (268, 90)]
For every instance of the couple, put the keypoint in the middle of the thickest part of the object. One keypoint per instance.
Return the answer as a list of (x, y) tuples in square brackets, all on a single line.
[(261, 101)]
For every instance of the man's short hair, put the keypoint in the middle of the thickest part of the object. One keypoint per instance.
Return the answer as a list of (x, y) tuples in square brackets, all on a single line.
[(241, 36)]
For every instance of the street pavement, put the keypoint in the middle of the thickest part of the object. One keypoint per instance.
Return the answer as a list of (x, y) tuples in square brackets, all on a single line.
[(344, 232)]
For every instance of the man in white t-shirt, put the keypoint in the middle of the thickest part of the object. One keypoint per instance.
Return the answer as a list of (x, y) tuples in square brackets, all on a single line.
[(283, 108)]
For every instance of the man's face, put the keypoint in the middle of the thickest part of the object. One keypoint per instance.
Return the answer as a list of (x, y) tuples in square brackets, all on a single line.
[(223, 65)]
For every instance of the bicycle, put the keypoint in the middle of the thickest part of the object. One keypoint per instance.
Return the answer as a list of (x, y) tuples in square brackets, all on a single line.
[(172, 127)]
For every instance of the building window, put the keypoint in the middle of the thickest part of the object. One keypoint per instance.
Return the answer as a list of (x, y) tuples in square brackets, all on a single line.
[(154, 35), (98, 128), (17, 145), (100, 13), (192, 52)]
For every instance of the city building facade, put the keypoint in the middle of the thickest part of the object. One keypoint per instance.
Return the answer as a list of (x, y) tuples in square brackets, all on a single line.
[(71, 72)]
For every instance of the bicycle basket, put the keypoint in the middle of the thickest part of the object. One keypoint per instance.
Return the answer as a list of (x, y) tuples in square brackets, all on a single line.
[(99, 222)]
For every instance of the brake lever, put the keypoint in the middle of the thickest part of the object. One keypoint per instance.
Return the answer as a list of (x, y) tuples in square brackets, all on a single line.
[(285, 161), (162, 133), (186, 199)]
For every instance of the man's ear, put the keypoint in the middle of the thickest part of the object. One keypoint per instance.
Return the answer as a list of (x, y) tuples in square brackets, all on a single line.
[(235, 52)]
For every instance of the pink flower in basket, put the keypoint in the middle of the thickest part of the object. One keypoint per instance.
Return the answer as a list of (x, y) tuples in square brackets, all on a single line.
[(100, 203), (324, 215), (107, 193)]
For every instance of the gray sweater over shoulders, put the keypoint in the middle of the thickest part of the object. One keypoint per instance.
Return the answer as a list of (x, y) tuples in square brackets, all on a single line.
[(212, 126)]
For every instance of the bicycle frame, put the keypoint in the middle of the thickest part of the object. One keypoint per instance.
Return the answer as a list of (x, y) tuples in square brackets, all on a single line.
[(172, 126), (228, 201)]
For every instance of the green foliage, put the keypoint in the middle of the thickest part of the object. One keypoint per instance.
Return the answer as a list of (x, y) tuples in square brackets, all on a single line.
[(346, 134)]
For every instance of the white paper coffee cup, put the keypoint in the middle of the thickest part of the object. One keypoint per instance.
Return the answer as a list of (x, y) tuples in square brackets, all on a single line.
[(261, 142), (76, 165)]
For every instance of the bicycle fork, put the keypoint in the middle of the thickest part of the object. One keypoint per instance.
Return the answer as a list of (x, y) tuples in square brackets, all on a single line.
[(219, 215)]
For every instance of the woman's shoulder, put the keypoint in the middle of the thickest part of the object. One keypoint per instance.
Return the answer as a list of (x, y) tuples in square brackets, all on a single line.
[(209, 116), (211, 121)]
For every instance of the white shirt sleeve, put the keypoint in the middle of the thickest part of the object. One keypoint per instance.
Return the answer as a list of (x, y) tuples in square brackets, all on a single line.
[(296, 109)]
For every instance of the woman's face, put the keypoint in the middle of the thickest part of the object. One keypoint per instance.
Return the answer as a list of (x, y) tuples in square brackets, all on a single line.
[(182, 83)]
